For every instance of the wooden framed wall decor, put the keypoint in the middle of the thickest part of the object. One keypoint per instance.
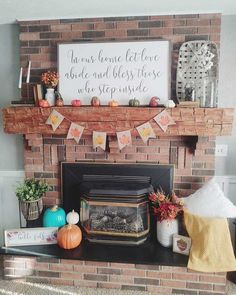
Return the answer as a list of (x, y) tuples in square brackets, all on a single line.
[(114, 70)]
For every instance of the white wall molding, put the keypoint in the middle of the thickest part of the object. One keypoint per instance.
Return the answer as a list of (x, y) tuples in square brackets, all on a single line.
[(12, 173), (228, 185), (9, 207)]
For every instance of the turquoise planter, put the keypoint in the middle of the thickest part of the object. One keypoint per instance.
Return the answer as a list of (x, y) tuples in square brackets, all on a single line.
[(54, 216)]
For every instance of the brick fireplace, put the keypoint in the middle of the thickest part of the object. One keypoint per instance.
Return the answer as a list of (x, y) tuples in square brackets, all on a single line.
[(189, 146)]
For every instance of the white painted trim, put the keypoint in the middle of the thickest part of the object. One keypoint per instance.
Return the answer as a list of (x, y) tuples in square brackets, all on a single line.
[(144, 13), (225, 181), (12, 173), (8, 181)]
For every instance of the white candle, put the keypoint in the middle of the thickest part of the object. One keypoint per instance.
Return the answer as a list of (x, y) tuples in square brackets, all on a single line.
[(28, 73), (20, 78)]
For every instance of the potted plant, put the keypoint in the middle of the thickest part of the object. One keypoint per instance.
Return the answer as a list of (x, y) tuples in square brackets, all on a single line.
[(29, 194)]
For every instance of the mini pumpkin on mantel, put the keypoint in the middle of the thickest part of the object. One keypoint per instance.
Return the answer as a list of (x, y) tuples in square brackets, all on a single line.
[(113, 103)]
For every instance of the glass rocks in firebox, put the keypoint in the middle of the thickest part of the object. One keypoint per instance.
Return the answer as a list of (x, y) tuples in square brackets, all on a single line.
[(115, 222), (116, 219)]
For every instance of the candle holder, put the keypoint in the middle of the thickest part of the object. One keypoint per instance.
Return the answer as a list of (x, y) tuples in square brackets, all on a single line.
[(209, 92)]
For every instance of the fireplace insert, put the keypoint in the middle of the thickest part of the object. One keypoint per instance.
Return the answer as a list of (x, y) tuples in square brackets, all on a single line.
[(115, 209), (112, 198)]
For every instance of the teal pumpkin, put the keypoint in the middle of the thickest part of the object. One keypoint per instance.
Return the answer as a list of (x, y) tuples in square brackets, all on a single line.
[(54, 216)]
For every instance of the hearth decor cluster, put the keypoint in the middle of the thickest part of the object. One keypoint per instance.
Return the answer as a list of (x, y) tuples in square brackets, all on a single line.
[(163, 119)]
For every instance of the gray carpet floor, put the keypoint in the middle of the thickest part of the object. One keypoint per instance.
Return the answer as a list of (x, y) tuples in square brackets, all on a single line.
[(23, 288)]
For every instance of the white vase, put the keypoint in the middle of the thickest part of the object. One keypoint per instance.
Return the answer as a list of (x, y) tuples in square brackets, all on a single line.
[(50, 96), (165, 231)]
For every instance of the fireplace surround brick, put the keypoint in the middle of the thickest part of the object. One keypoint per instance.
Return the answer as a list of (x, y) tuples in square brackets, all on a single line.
[(192, 169), (152, 278), (43, 151)]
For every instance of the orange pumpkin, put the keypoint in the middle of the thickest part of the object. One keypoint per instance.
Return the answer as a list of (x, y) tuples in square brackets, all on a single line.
[(69, 236), (59, 102), (43, 103), (113, 103)]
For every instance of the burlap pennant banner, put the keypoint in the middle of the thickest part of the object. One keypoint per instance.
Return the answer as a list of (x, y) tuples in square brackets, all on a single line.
[(99, 140), (55, 119), (124, 139), (164, 120), (75, 132), (145, 131)]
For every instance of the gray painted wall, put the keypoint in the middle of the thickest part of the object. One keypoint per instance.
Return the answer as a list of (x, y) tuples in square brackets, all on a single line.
[(227, 91), (11, 146), (11, 157)]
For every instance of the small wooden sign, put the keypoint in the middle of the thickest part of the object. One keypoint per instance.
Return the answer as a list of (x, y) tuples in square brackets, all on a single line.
[(30, 236), (181, 244)]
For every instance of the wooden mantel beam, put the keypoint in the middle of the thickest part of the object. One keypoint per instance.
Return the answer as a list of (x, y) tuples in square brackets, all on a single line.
[(189, 121)]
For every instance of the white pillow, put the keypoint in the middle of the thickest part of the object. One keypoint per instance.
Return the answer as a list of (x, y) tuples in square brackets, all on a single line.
[(210, 201)]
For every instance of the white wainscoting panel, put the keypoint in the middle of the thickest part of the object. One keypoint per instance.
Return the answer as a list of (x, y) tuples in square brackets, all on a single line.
[(228, 185), (9, 208)]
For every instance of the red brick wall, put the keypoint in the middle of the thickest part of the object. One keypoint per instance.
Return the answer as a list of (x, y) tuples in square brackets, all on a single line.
[(152, 278), (39, 39)]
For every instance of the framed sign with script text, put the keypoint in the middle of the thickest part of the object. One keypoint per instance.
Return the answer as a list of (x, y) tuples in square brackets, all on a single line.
[(30, 236), (114, 70)]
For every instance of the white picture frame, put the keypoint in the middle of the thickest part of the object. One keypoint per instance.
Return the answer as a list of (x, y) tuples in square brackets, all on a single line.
[(114, 70), (181, 244), (30, 236)]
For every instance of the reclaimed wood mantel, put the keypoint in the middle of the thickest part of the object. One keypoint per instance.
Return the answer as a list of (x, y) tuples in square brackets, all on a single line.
[(189, 121)]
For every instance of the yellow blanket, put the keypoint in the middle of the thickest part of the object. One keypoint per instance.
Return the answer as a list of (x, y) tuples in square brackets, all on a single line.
[(211, 249)]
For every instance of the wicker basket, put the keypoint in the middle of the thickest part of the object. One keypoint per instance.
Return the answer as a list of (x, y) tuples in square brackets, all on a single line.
[(31, 210)]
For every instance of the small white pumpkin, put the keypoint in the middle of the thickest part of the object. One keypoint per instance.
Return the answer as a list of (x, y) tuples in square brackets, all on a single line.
[(170, 104), (72, 217)]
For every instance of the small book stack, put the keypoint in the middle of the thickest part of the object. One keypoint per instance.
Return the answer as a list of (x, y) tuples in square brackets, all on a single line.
[(188, 104), (38, 93), (24, 103)]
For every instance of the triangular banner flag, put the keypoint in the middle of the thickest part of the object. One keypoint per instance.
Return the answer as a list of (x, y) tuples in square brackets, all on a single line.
[(99, 140), (55, 119), (163, 119), (75, 132), (124, 138), (145, 131)]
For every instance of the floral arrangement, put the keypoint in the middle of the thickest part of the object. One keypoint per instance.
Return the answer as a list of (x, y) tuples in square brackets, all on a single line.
[(165, 207), (50, 79)]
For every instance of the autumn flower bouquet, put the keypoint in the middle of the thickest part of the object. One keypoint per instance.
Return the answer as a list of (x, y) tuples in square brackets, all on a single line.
[(165, 207), (50, 79)]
